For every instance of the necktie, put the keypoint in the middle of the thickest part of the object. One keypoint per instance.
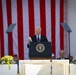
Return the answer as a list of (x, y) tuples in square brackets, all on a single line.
[(38, 37)]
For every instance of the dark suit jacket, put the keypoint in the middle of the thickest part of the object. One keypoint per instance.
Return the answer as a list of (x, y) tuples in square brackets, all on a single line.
[(34, 39), (63, 58)]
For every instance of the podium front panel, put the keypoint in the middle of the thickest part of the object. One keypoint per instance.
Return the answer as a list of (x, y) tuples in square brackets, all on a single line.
[(40, 49)]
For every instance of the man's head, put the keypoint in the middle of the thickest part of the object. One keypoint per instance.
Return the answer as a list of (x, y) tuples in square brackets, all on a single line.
[(62, 54), (37, 30)]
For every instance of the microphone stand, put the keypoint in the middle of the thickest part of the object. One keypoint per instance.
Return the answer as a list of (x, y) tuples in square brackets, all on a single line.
[(51, 67)]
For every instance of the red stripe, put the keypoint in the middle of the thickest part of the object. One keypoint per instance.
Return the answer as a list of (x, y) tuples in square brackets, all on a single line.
[(53, 25), (9, 21), (1, 30), (20, 29), (31, 17), (61, 28), (43, 17)]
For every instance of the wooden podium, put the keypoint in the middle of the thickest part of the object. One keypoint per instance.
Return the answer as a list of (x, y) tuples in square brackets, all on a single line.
[(40, 50)]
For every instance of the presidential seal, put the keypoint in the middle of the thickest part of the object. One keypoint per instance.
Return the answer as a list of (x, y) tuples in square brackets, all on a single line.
[(40, 48)]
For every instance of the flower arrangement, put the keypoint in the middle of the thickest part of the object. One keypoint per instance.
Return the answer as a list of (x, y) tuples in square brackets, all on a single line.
[(8, 59)]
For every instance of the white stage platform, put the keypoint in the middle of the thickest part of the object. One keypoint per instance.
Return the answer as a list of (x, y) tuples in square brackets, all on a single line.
[(5, 71), (44, 67), (40, 67)]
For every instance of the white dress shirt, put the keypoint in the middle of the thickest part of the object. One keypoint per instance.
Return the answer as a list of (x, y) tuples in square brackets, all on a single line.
[(39, 36)]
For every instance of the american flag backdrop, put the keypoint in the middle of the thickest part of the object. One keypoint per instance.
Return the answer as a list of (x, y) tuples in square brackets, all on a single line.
[(27, 14)]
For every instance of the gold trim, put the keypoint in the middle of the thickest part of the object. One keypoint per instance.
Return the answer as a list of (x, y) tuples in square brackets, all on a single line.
[(43, 48)]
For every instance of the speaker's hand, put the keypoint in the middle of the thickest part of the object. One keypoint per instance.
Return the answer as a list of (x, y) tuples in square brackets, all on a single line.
[(29, 40)]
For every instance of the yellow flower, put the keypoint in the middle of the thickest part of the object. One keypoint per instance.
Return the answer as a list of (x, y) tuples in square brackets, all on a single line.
[(7, 59)]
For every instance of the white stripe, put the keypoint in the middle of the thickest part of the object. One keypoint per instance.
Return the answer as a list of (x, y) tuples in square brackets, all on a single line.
[(5, 26), (25, 27), (57, 30), (48, 19), (66, 48), (37, 12), (14, 32)]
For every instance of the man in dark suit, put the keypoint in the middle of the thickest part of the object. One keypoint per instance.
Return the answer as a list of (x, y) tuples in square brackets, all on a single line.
[(37, 37), (62, 55)]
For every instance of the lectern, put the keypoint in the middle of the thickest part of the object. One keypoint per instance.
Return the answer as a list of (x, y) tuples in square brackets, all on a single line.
[(40, 50)]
